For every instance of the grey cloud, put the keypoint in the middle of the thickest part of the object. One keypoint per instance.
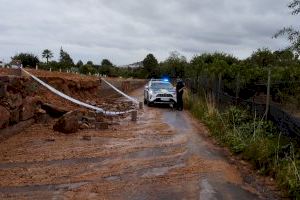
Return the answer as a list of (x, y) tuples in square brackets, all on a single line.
[(125, 31)]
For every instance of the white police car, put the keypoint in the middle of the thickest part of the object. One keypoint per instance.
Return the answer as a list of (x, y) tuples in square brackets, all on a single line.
[(159, 91)]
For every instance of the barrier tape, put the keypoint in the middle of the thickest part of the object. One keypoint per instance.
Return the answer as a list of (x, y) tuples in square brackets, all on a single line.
[(122, 93), (97, 109)]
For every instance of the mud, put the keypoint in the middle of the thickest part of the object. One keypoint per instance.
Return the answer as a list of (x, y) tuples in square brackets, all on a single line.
[(161, 156)]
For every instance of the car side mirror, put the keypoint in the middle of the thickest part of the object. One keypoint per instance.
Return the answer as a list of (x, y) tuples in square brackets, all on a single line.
[(146, 87)]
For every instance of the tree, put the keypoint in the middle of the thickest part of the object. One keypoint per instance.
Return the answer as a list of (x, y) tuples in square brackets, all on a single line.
[(106, 62), (65, 59), (292, 34), (47, 54), (90, 62), (27, 59), (79, 64), (151, 65), (262, 58), (177, 64)]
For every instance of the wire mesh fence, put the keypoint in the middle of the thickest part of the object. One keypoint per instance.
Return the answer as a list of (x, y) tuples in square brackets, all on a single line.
[(253, 98)]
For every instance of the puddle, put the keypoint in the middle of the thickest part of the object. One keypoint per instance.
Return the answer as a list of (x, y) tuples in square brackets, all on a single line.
[(159, 171), (212, 188), (176, 120)]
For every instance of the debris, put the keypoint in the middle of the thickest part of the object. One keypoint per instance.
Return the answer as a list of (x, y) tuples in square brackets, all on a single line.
[(87, 137), (84, 126), (4, 117), (101, 125), (53, 111), (68, 123)]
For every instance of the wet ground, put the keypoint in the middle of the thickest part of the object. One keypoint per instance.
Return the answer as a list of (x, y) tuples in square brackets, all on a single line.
[(162, 156)]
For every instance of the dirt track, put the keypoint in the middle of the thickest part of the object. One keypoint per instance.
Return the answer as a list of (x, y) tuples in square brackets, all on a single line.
[(162, 156)]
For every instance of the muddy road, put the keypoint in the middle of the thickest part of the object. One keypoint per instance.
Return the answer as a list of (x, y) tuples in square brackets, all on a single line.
[(161, 156)]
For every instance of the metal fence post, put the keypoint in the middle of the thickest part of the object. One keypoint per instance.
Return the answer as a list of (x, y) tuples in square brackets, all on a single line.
[(268, 93), (219, 86), (237, 89)]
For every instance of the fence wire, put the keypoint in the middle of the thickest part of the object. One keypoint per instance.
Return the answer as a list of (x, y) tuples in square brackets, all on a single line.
[(248, 98)]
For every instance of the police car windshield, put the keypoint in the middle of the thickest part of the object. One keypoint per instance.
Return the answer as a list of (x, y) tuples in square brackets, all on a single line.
[(161, 85)]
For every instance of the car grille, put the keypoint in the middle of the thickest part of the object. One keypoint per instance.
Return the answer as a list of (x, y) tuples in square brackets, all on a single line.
[(164, 95)]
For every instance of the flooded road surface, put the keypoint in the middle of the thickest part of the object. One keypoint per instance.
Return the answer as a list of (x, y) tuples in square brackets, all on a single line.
[(161, 156)]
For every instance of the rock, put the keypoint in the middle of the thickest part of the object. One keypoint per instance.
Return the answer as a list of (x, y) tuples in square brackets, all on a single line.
[(4, 117), (14, 116), (84, 126), (40, 111), (68, 123), (14, 100), (87, 137), (3, 90), (93, 103), (50, 140), (53, 111), (101, 125), (15, 129), (90, 114), (89, 119), (4, 79), (28, 108), (99, 117)]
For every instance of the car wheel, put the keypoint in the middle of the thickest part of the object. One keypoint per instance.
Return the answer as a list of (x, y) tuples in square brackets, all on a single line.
[(149, 103), (145, 101)]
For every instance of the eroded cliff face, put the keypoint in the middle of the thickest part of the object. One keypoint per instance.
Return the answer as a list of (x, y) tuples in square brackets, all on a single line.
[(22, 98)]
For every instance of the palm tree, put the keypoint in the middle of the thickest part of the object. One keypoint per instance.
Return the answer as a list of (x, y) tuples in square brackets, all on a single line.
[(47, 54)]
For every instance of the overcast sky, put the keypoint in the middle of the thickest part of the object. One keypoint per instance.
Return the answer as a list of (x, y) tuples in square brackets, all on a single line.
[(124, 31)]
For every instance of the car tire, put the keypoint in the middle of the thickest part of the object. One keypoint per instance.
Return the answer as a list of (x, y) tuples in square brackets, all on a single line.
[(149, 104), (145, 101)]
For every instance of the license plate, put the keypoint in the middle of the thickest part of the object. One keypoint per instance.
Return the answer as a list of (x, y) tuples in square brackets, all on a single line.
[(165, 99)]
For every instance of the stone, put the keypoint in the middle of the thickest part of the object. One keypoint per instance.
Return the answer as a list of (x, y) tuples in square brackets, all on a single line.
[(40, 111), (15, 129), (14, 116), (90, 114), (14, 100), (99, 117), (101, 125), (3, 90), (89, 119), (42, 118), (4, 117), (84, 126), (28, 108), (4, 79), (87, 137), (93, 103), (68, 123), (53, 111)]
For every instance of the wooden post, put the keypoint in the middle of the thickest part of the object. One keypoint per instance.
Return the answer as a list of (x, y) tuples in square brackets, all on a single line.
[(141, 105), (134, 115), (268, 93)]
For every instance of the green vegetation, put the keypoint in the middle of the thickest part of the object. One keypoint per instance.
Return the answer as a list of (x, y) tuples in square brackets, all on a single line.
[(292, 34), (255, 140)]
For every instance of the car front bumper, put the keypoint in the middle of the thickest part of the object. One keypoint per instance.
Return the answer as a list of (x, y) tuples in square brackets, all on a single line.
[(163, 99)]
